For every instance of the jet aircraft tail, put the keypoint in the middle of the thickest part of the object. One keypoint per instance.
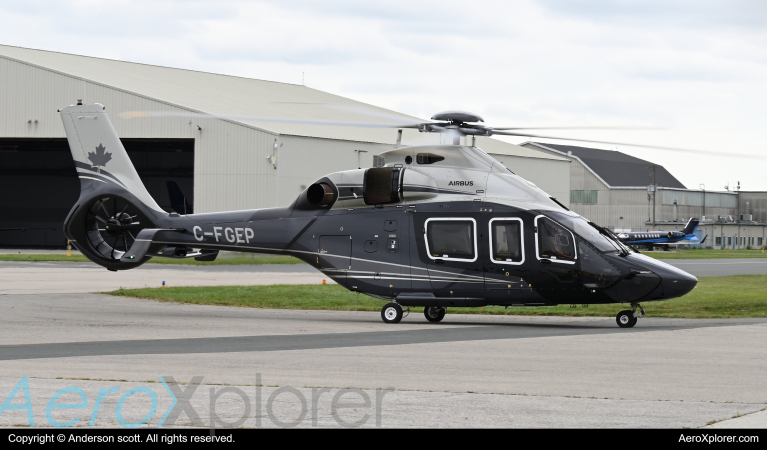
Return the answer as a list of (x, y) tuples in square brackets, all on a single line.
[(177, 198), (691, 226)]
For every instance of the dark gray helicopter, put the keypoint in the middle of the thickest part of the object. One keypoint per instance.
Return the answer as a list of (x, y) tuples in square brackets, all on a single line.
[(432, 226)]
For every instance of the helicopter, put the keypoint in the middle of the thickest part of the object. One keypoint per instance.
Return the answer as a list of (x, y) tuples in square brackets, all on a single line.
[(434, 226)]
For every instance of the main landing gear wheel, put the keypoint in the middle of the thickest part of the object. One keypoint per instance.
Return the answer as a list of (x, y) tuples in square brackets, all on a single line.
[(626, 319), (434, 313), (391, 313)]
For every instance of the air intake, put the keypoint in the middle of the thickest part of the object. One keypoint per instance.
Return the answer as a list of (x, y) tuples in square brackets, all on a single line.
[(382, 185)]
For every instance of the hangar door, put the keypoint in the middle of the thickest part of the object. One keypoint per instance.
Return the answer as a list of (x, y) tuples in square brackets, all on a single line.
[(39, 184)]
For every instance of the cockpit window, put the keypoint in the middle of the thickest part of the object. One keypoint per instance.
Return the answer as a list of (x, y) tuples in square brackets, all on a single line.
[(582, 228), (554, 241), (428, 158)]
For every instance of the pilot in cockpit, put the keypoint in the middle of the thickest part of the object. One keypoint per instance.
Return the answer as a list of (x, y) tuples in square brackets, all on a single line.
[(559, 243)]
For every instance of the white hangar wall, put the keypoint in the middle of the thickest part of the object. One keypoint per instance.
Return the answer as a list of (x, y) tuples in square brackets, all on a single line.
[(226, 154), (231, 170), (231, 167)]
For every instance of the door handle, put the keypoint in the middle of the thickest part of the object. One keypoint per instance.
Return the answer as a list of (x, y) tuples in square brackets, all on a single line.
[(546, 261), (439, 261)]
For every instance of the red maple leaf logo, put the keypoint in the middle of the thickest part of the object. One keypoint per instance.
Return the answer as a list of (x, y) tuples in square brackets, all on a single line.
[(100, 158)]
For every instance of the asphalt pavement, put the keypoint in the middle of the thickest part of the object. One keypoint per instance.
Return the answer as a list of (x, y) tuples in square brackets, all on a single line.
[(273, 368)]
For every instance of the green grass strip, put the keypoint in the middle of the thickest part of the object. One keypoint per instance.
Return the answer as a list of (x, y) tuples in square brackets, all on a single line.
[(741, 296)]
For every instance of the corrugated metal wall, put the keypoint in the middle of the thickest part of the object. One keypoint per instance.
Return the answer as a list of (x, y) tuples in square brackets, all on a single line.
[(698, 198), (302, 160), (754, 203), (231, 167), (230, 159)]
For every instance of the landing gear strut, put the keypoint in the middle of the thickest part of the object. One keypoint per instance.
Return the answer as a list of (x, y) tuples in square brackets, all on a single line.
[(434, 313), (627, 319)]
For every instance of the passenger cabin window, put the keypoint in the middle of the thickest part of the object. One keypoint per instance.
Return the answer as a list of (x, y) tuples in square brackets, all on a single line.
[(555, 242), (451, 239), (506, 243), (428, 158)]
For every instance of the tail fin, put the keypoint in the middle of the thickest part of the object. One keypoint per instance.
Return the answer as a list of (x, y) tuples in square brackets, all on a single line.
[(114, 206), (691, 226), (98, 153)]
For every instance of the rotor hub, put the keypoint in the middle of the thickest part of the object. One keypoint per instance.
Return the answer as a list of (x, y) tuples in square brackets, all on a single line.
[(457, 117)]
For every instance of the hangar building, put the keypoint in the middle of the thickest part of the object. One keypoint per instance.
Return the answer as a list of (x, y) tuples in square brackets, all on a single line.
[(611, 189), (232, 161)]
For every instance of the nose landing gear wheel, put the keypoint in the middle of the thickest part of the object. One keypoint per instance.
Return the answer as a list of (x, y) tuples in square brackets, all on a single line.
[(391, 313), (434, 313), (626, 319)]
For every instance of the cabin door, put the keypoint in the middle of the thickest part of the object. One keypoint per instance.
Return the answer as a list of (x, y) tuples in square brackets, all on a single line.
[(334, 257), (450, 248), (506, 245), (555, 261)]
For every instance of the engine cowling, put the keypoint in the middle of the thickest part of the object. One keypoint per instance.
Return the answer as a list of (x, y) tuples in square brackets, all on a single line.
[(382, 185)]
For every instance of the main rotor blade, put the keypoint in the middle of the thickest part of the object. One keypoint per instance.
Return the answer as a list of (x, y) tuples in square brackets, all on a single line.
[(139, 114), (578, 128), (676, 149)]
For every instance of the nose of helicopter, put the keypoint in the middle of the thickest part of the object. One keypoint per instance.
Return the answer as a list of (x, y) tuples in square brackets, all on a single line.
[(678, 285), (676, 282)]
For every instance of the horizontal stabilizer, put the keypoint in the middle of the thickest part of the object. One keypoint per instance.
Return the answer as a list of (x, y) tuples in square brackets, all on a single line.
[(140, 248)]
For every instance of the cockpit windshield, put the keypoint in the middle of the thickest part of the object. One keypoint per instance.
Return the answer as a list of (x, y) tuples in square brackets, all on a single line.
[(587, 231)]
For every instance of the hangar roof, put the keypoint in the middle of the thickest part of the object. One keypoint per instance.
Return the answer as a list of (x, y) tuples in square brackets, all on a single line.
[(234, 96), (616, 169)]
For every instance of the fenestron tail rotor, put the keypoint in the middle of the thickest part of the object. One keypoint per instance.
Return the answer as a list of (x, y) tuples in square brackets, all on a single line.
[(112, 225)]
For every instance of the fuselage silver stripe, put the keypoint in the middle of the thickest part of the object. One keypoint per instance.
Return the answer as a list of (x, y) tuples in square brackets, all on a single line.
[(91, 178)]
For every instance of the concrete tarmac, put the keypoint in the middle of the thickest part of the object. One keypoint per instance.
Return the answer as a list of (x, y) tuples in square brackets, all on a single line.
[(468, 371), (68, 277), (472, 371)]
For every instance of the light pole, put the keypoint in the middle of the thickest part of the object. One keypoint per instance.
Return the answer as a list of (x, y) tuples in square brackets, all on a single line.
[(703, 212), (654, 189), (737, 213)]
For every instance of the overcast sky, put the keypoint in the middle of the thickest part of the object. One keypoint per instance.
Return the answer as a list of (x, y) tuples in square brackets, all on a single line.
[(697, 69)]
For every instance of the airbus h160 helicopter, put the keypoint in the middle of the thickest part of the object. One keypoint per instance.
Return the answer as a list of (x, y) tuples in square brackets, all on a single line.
[(433, 226)]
